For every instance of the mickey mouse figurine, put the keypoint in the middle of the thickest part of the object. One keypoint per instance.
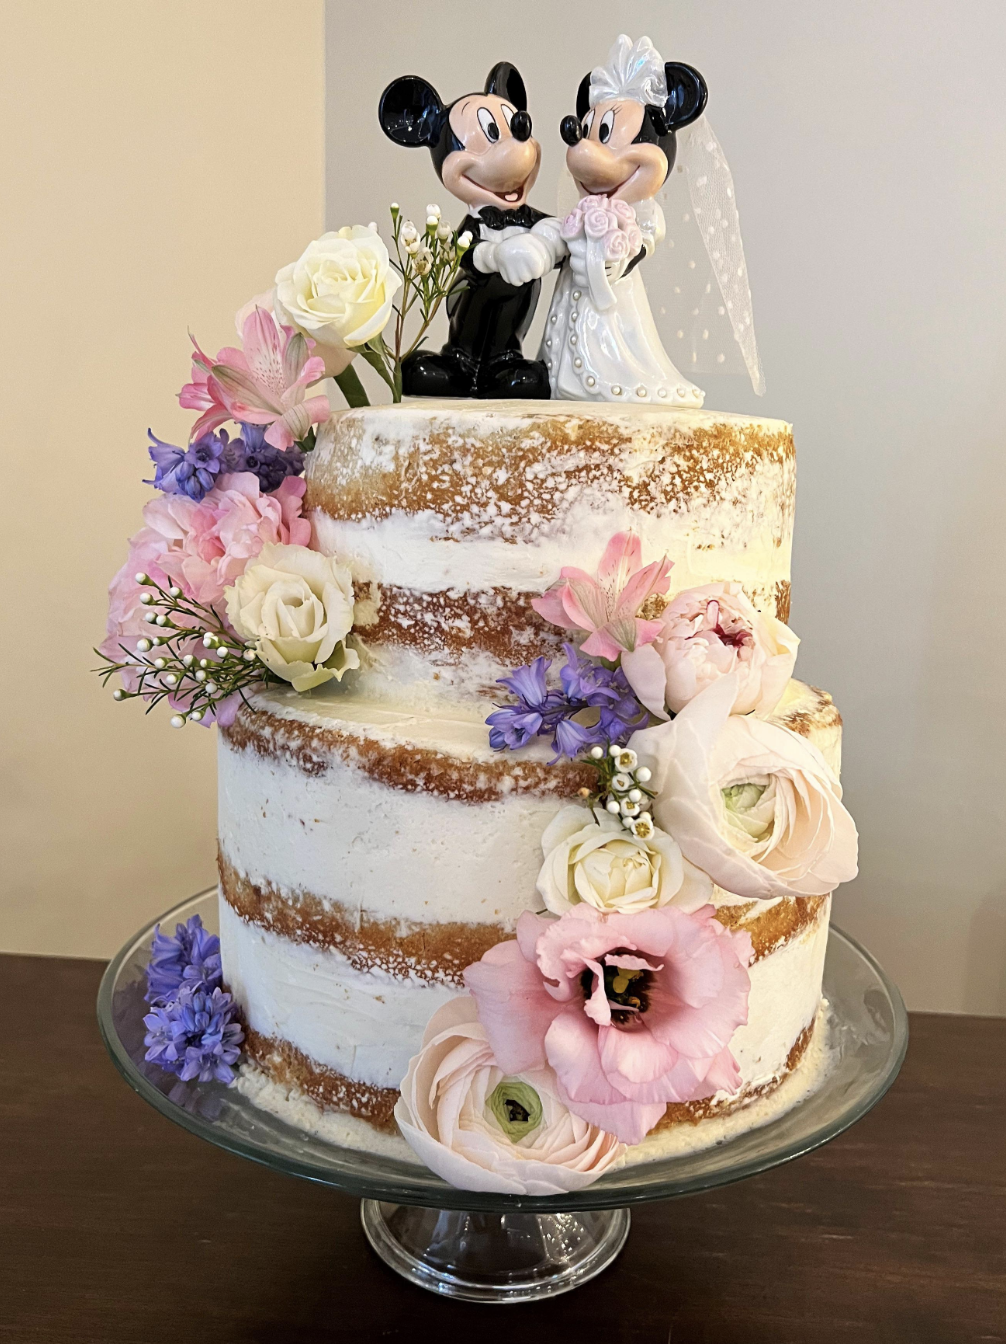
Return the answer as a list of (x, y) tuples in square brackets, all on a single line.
[(485, 155)]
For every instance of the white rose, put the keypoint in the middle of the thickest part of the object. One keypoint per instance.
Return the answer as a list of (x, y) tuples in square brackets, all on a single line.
[(707, 633), (592, 857), (752, 804), (481, 1130), (339, 292), (298, 605)]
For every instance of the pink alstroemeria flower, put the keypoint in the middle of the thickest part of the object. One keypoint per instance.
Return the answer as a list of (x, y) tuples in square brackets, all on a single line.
[(631, 1011), (263, 384), (607, 605)]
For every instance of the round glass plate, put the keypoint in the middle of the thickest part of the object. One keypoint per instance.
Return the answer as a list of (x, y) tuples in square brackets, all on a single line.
[(869, 1035)]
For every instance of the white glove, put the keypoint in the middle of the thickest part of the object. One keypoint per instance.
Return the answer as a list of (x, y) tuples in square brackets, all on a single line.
[(518, 259)]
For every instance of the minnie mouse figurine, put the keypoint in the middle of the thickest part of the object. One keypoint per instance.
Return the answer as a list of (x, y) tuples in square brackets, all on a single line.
[(485, 155), (600, 342)]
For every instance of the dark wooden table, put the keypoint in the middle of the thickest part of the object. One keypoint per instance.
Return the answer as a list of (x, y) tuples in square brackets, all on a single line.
[(116, 1226)]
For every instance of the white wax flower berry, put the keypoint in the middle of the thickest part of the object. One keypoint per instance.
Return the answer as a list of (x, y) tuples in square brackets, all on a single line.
[(146, 597), (621, 783), (141, 577), (118, 695), (200, 675), (188, 660), (150, 617), (174, 592), (464, 242), (211, 688), (615, 749), (635, 795), (443, 232), (160, 664), (177, 721), (170, 680), (394, 205), (142, 645), (644, 774), (597, 753), (612, 806), (196, 716), (161, 620)]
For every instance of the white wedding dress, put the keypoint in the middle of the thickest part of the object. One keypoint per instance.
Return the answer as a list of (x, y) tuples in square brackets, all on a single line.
[(599, 348)]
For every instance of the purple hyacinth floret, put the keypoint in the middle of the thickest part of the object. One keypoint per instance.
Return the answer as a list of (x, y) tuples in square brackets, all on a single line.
[(195, 1035), (271, 465), (188, 471), (190, 957), (541, 712)]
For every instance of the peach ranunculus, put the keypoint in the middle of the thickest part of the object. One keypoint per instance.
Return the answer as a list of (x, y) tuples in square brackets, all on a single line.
[(754, 805), (202, 547), (631, 1011), (483, 1130), (706, 633), (592, 857)]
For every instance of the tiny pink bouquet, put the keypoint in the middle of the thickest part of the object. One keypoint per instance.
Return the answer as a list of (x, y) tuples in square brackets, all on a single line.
[(606, 233)]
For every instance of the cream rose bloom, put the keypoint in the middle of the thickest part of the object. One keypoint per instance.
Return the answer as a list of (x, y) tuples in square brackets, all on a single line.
[(591, 857), (481, 1130), (339, 292), (298, 605), (752, 804), (705, 634)]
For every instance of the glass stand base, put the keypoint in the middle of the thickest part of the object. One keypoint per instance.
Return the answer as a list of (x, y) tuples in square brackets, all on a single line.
[(494, 1257)]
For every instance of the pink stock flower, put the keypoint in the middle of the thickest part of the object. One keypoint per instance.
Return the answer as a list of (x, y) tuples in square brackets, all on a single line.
[(607, 605), (263, 384), (200, 547), (631, 1011)]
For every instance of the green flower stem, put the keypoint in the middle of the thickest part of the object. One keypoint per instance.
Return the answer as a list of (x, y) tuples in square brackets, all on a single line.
[(351, 387), (376, 353)]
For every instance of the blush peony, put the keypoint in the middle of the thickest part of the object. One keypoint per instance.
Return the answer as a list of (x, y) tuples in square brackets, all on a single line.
[(631, 1011), (706, 633), (482, 1130), (591, 857), (754, 805)]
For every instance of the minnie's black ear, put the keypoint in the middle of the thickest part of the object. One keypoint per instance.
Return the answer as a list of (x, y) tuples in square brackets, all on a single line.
[(583, 97), (504, 80), (686, 95), (411, 113)]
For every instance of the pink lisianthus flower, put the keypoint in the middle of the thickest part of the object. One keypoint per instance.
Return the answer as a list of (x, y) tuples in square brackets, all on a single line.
[(263, 384), (630, 1011), (607, 605), (202, 548)]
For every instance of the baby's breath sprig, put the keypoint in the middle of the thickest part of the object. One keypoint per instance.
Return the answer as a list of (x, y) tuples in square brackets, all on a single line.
[(167, 664), (622, 787), (428, 261)]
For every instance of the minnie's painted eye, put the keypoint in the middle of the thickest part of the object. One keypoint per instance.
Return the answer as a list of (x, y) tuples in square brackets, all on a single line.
[(489, 128), (604, 130), (507, 113), (588, 121)]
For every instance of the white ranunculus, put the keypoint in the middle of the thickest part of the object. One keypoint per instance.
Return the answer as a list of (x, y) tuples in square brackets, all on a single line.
[(591, 857), (298, 605), (482, 1130), (705, 634), (339, 292), (752, 804)]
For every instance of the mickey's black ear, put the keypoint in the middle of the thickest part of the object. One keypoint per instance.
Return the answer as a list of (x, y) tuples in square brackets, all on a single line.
[(686, 95), (411, 113), (583, 97), (504, 80)]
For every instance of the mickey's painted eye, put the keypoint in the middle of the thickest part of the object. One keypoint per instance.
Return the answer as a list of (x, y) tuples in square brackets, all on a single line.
[(507, 113), (488, 124), (604, 130), (588, 121)]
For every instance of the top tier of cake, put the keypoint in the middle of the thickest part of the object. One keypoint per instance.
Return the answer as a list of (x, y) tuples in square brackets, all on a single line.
[(453, 515)]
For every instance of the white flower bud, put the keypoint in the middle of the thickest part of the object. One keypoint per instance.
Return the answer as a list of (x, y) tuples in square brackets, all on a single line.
[(174, 591), (443, 232), (170, 680), (209, 641), (433, 210), (161, 620), (223, 651), (612, 806), (188, 660), (614, 750), (141, 577), (143, 646), (644, 774), (408, 233), (394, 207), (146, 598), (635, 795), (596, 753), (177, 721), (211, 688), (465, 242), (150, 617), (250, 655), (200, 675), (160, 664), (119, 694), (196, 716)]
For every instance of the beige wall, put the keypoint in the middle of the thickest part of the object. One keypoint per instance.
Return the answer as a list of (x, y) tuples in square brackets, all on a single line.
[(868, 141), (158, 161)]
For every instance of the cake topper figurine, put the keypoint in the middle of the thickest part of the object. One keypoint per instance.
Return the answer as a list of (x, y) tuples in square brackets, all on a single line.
[(601, 342), (485, 155)]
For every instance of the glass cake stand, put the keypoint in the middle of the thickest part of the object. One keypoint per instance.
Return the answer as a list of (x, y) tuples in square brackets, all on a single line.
[(511, 1248)]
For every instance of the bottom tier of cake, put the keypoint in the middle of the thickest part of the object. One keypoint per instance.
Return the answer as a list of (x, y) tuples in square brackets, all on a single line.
[(321, 1030)]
